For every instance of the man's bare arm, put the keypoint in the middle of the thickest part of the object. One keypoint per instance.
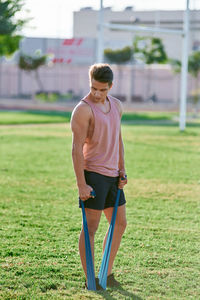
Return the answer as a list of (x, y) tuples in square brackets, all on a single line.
[(121, 155), (121, 164), (79, 125)]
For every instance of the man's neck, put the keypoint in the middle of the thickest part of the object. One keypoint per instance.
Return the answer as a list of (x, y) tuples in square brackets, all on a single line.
[(101, 101)]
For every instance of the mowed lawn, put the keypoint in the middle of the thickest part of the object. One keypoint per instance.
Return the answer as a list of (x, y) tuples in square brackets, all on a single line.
[(40, 219)]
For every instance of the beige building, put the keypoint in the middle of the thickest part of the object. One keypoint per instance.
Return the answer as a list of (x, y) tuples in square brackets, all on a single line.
[(68, 70), (86, 24)]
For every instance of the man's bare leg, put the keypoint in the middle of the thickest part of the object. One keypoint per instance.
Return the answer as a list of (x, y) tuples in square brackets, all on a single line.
[(120, 226), (93, 217)]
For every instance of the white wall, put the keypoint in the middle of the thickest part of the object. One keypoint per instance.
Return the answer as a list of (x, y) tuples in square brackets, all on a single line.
[(128, 80)]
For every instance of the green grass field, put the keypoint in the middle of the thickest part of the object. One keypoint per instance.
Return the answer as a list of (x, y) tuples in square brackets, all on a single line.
[(40, 219)]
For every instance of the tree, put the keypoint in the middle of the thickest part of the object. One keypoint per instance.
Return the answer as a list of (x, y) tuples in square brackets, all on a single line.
[(175, 64), (8, 45), (119, 57), (176, 69), (32, 64), (10, 26), (194, 70), (149, 50)]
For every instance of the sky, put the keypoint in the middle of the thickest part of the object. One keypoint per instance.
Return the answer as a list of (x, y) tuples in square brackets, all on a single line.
[(54, 18)]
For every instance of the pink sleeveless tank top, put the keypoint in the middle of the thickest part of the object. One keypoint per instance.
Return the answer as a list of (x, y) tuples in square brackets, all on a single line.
[(101, 152)]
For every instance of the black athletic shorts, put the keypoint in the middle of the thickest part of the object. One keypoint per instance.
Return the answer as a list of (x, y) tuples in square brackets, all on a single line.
[(105, 188)]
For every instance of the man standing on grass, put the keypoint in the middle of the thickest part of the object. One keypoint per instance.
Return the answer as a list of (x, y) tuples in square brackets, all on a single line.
[(98, 159)]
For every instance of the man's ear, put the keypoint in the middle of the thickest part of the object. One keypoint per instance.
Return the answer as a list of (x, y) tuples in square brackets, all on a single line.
[(110, 87)]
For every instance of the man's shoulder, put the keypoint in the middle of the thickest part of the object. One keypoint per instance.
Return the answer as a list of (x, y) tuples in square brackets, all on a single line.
[(81, 116), (82, 107), (117, 102), (113, 98)]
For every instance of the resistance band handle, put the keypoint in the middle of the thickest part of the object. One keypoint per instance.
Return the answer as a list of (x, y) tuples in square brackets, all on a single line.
[(93, 194)]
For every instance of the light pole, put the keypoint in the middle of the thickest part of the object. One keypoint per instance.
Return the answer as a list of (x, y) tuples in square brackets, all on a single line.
[(184, 70), (100, 34), (185, 35)]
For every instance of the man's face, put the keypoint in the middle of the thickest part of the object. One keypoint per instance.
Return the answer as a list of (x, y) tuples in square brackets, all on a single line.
[(99, 90)]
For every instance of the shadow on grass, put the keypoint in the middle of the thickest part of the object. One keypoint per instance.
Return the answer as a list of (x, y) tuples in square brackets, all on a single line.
[(146, 116), (122, 293), (38, 112), (137, 119), (23, 117), (48, 113), (158, 123), (64, 114)]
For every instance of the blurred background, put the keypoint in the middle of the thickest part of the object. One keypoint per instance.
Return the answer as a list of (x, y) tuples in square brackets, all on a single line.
[(46, 48)]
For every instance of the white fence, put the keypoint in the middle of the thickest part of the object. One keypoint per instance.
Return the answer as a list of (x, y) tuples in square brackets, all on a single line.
[(136, 83)]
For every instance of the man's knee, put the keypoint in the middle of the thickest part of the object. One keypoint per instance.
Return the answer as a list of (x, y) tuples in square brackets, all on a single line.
[(92, 228), (93, 218), (121, 225)]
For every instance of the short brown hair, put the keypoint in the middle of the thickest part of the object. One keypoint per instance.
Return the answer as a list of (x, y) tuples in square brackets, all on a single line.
[(101, 73)]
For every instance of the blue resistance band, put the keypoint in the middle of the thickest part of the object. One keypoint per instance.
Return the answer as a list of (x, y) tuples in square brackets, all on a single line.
[(106, 256), (91, 284)]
